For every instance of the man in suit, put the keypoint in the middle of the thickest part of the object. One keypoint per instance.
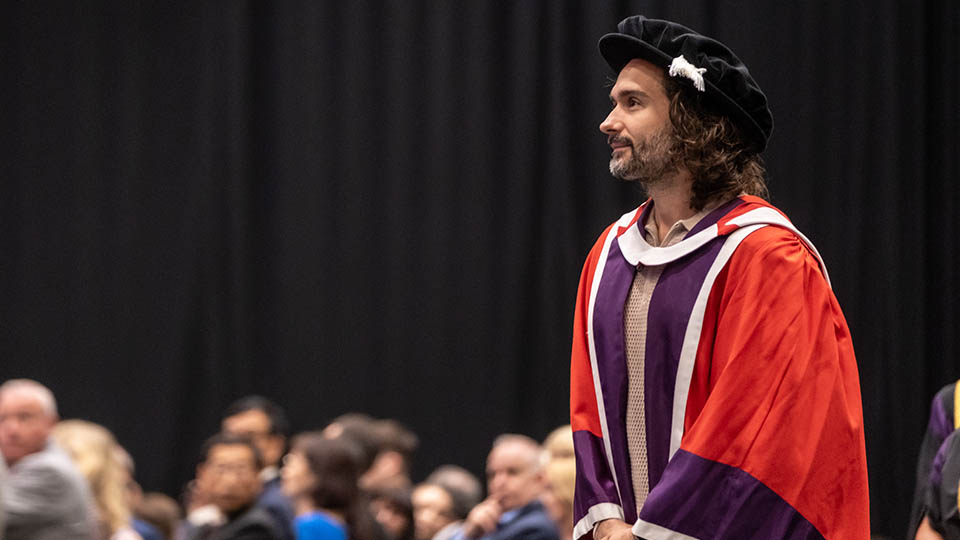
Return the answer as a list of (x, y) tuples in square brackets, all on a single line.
[(265, 423), (228, 483), (44, 496), (515, 481)]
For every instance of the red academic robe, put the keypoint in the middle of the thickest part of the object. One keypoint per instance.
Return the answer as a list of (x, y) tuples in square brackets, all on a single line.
[(752, 401)]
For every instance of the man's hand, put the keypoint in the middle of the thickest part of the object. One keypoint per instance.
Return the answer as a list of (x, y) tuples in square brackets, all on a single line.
[(613, 529), (482, 520)]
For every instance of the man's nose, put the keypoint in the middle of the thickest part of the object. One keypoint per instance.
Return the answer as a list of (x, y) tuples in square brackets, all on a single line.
[(611, 125)]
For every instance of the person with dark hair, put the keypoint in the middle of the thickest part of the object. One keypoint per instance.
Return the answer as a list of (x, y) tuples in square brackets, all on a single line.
[(227, 487), (360, 428), (461, 484), (266, 424), (320, 475), (714, 388), (390, 469), (393, 510)]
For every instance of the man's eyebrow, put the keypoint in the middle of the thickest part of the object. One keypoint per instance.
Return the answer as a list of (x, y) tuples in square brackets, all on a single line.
[(622, 94)]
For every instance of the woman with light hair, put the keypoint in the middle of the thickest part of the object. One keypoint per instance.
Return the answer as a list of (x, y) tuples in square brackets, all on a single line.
[(560, 470), (96, 454)]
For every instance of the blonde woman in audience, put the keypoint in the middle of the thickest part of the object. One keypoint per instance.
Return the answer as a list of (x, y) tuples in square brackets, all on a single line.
[(561, 471), (559, 443), (94, 451)]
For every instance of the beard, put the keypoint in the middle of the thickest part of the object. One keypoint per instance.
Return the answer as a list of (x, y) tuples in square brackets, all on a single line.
[(651, 160)]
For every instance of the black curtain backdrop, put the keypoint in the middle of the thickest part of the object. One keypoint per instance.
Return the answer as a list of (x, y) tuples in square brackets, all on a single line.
[(384, 207)]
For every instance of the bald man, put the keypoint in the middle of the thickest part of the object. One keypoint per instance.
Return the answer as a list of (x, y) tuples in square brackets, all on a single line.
[(44, 496), (515, 481)]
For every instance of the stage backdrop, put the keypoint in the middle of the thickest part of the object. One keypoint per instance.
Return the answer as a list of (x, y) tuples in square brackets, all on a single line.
[(384, 207)]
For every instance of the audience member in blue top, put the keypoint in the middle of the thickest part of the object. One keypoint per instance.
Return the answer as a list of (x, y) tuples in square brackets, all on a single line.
[(320, 477)]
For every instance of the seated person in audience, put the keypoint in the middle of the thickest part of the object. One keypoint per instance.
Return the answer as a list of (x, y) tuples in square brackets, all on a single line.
[(358, 427), (265, 423), (320, 475), (387, 449), (391, 466), (559, 444), (560, 475), (95, 452), (160, 511), (434, 514), (44, 496), (944, 419), (462, 484), (941, 505), (512, 509), (134, 496), (226, 491), (393, 510)]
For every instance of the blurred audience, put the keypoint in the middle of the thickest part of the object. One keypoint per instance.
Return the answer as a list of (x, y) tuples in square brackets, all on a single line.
[(226, 489), (387, 449), (321, 477), (512, 509), (393, 510), (95, 452), (159, 511), (135, 495), (265, 423), (466, 489), (44, 495), (434, 517), (395, 448), (559, 444), (560, 469), (351, 481)]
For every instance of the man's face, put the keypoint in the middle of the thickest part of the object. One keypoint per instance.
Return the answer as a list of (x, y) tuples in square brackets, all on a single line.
[(229, 477), (432, 511), (638, 127), (24, 424), (513, 476), (255, 424)]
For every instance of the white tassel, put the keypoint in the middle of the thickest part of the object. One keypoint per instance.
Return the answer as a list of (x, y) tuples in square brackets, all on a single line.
[(681, 67)]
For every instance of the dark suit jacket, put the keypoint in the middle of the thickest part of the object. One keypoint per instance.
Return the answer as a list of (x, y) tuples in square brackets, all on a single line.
[(278, 505), (253, 524), (530, 522)]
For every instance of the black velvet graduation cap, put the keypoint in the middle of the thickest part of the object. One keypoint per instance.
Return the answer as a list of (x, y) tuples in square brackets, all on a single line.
[(706, 63)]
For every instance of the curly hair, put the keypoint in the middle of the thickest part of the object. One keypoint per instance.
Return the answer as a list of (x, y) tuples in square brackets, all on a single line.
[(722, 162)]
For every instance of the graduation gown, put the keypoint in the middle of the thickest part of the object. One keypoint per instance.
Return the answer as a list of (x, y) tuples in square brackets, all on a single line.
[(754, 422), (943, 420)]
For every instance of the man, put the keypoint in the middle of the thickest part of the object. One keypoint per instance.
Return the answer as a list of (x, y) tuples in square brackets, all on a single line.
[(511, 510), (391, 466), (229, 483), (44, 496), (387, 447), (442, 502), (265, 423), (433, 512), (944, 419), (714, 387)]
